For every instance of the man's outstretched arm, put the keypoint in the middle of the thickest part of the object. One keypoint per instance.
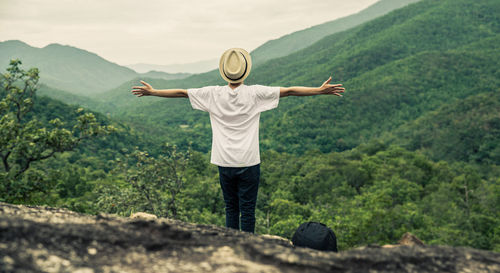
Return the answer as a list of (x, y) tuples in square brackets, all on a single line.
[(325, 89), (148, 90)]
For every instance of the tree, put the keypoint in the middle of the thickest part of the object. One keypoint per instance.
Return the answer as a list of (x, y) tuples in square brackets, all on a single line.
[(24, 140), (156, 181)]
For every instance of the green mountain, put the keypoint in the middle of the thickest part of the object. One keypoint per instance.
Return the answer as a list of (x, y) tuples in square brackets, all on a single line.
[(301, 39), (196, 67), (163, 75), (67, 97), (424, 26), (141, 114), (120, 98), (72, 69), (65, 67), (466, 130), (382, 100), (396, 69)]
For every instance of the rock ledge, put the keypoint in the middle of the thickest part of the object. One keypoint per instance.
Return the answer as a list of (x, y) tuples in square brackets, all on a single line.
[(44, 239)]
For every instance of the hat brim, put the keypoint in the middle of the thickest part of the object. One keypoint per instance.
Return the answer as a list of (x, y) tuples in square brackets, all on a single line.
[(248, 58)]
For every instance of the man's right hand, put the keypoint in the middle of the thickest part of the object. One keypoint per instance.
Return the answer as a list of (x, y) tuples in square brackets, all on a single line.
[(331, 89), (146, 90)]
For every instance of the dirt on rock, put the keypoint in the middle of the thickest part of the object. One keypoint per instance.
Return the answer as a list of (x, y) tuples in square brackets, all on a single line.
[(44, 239)]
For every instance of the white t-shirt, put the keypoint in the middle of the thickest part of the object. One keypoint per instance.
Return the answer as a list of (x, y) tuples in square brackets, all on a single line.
[(234, 116)]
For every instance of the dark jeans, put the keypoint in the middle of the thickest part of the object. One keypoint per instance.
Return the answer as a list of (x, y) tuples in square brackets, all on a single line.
[(239, 187)]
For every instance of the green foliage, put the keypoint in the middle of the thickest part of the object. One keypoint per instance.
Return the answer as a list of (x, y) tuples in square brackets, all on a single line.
[(294, 213), (392, 191), (155, 182), (24, 140), (465, 130)]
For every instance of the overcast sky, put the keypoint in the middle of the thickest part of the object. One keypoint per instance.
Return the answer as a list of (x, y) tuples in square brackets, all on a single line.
[(163, 31)]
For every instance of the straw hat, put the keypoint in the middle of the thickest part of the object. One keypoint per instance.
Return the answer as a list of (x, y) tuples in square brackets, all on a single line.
[(235, 65)]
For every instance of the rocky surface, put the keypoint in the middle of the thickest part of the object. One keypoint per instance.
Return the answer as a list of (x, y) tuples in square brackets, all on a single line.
[(43, 239)]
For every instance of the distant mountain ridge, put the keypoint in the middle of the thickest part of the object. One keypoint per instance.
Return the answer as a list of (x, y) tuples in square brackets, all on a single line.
[(192, 68), (72, 69), (164, 75), (65, 67), (301, 39)]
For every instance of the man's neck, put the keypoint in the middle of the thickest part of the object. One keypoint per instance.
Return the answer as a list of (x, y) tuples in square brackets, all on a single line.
[(234, 85)]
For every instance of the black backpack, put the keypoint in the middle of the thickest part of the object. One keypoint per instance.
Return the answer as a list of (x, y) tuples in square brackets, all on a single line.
[(315, 235)]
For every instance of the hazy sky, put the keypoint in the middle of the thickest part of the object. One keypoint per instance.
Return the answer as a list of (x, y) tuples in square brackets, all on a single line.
[(163, 31)]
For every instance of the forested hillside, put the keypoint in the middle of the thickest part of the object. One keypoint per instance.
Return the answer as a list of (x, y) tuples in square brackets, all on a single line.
[(301, 39), (384, 99), (465, 130), (67, 97)]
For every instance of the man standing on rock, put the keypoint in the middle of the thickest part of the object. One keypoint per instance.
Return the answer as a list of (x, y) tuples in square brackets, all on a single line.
[(234, 115)]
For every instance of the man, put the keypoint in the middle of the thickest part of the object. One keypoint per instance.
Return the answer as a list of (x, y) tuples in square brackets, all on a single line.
[(234, 115)]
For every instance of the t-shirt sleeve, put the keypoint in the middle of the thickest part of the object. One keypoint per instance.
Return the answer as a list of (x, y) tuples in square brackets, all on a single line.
[(200, 98), (267, 97)]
